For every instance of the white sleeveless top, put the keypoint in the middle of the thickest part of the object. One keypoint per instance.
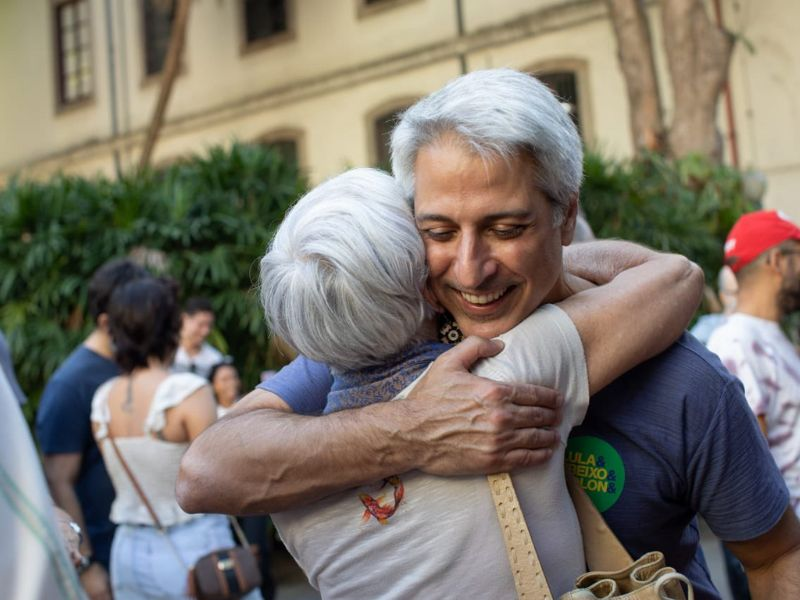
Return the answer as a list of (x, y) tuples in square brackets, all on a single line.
[(154, 462)]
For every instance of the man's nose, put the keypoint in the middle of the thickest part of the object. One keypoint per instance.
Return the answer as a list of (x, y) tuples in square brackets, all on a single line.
[(474, 262)]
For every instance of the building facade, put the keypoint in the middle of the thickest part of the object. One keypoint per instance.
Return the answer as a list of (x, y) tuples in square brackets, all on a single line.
[(323, 79)]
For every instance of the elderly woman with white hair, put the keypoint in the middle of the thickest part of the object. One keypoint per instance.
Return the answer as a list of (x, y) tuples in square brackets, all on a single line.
[(343, 282)]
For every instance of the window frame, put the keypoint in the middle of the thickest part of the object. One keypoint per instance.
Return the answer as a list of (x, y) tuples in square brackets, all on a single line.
[(394, 105), (62, 106), (364, 10), (580, 68), (153, 78), (277, 39), (294, 134)]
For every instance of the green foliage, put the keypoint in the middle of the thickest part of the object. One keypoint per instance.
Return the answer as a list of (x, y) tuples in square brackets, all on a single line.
[(686, 206), (204, 222)]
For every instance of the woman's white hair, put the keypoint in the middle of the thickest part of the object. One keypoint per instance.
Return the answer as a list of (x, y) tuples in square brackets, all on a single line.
[(342, 279), (496, 113)]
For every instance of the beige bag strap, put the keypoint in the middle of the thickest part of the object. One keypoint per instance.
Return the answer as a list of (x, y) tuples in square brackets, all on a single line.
[(529, 579), (604, 552)]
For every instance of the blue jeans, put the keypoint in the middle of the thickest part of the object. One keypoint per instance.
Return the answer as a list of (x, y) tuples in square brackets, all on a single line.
[(144, 564)]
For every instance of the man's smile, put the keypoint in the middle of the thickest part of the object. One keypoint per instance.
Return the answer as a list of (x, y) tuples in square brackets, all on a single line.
[(483, 299)]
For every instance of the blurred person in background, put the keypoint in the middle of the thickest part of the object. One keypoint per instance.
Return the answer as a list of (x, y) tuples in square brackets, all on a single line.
[(763, 250), (720, 306), (72, 463), (226, 384), (7, 367), (152, 415), (583, 231), (195, 354), (38, 556), (763, 254), (41, 549)]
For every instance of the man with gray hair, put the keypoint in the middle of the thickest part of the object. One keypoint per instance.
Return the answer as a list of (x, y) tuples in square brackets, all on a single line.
[(668, 440)]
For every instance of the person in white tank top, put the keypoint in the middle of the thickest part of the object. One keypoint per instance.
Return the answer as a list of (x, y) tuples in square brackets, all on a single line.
[(152, 415)]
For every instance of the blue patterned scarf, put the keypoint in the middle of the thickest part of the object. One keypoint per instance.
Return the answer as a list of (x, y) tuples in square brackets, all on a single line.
[(383, 382)]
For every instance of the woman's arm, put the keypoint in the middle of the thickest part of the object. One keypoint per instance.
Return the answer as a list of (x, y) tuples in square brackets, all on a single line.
[(644, 301), (198, 411)]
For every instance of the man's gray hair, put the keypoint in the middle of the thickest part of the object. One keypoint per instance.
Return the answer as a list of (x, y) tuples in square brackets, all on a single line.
[(496, 113), (342, 279)]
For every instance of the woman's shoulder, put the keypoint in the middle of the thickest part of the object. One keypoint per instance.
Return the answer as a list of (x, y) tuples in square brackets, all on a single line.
[(178, 386), (175, 388), (99, 412)]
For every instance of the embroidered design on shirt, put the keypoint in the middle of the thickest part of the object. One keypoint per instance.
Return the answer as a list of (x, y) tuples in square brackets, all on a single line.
[(375, 506)]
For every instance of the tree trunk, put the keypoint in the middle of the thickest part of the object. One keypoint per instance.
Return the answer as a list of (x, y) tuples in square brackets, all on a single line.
[(171, 66), (698, 55), (635, 51)]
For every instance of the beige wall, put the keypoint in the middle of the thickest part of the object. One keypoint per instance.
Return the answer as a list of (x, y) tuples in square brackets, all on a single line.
[(339, 67), (765, 88)]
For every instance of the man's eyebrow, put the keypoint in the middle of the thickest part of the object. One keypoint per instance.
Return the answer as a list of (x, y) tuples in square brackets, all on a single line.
[(509, 214), (431, 217)]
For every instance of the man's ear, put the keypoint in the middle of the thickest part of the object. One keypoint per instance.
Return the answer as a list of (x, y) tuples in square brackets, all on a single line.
[(777, 260), (568, 226), (428, 294)]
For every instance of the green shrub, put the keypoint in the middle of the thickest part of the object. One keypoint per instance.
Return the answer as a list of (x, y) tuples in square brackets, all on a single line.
[(686, 206), (204, 222)]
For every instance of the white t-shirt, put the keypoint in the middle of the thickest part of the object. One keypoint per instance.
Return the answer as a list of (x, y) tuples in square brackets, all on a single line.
[(758, 353), (443, 539), (33, 561), (200, 363)]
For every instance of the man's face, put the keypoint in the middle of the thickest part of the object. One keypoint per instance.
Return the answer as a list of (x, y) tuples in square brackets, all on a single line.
[(493, 251), (195, 328)]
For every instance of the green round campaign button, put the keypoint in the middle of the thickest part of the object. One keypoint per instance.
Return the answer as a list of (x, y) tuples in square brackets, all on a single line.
[(598, 469)]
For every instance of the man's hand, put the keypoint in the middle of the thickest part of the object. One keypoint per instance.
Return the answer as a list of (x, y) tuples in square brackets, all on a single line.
[(471, 425), (70, 536), (96, 583)]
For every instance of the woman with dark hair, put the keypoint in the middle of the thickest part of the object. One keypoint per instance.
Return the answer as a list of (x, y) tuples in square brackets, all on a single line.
[(152, 416), (226, 385)]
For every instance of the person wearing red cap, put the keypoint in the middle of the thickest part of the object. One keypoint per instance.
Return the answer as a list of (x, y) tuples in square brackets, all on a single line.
[(763, 249)]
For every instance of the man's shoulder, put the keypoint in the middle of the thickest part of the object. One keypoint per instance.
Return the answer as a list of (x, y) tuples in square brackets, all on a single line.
[(62, 421), (208, 352), (688, 358), (686, 372), (83, 369)]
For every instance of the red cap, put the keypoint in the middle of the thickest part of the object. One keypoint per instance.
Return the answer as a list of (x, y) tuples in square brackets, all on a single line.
[(757, 232)]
